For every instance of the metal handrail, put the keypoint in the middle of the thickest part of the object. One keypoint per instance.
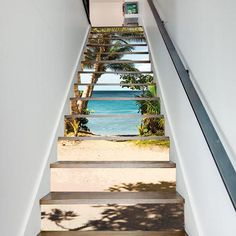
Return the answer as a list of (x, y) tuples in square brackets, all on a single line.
[(219, 154), (87, 10)]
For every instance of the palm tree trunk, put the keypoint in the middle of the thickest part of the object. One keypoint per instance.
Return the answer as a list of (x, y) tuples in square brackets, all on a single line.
[(88, 92)]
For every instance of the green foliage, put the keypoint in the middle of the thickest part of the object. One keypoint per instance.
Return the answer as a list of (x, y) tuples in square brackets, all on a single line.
[(136, 79), (151, 126), (148, 106), (148, 126), (74, 126), (106, 53), (147, 143)]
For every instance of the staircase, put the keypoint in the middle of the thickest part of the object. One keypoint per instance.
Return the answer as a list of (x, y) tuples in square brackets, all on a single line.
[(112, 184)]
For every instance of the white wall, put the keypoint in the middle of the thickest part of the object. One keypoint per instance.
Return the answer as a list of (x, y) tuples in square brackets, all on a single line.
[(40, 43), (206, 47), (106, 12), (209, 27)]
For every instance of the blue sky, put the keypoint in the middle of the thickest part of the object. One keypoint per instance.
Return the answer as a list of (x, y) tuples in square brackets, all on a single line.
[(109, 78)]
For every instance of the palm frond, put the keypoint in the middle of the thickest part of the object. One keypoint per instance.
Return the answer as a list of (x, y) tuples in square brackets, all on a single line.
[(123, 67)]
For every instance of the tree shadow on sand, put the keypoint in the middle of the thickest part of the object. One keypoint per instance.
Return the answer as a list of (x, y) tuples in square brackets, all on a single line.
[(58, 216), (145, 187), (144, 217)]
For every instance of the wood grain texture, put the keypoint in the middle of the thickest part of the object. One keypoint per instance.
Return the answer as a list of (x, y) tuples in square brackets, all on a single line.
[(118, 62), (118, 27), (113, 164), (70, 198), (114, 138), (113, 233), (118, 32), (117, 45), (116, 72), (123, 116), (115, 99), (114, 84), (119, 38), (128, 52)]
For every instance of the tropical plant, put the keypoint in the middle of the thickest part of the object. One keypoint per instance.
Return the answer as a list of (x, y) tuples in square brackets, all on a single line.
[(105, 51), (74, 126), (148, 126), (136, 79), (110, 47)]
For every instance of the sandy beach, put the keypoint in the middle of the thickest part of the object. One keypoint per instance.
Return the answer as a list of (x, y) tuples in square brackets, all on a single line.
[(102, 150)]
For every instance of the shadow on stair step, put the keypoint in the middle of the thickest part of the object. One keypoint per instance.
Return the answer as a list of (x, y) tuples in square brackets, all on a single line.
[(113, 217)]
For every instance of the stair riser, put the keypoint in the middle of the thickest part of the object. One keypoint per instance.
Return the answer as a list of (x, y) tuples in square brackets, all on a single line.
[(100, 150), (105, 126), (145, 217), (106, 179), (114, 233)]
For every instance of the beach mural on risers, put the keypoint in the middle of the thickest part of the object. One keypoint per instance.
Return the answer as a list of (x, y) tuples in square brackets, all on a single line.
[(113, 167), (121, 110)]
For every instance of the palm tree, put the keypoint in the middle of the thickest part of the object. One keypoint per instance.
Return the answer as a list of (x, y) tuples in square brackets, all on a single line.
[(95, 54), (101, 53)]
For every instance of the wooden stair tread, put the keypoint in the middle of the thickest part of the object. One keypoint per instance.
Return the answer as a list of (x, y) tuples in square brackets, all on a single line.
[(117, 62), (113, 164), (118, 27), (114, 138), (128, 52), (66, 198), (113, 84), (115, 72), (114, 233), (118, 32), (113, 116), (117, 45), (119, 38), (115, 99)]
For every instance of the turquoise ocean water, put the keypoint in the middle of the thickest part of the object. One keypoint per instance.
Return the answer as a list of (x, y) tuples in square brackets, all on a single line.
[(112, 126)]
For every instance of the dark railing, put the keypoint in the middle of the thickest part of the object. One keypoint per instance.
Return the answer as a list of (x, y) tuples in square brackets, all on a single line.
[(221, 158), (87, 9)]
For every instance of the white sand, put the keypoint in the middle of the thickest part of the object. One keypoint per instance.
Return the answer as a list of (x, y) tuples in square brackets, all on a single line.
[(95, 150)]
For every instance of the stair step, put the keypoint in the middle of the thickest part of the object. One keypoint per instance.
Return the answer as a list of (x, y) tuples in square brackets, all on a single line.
[(115, 72), (113, 164), (119, 38), (75, 176), (117, 45), (71, 198), (105, 150), (114, 138), (114, 233), (117, 211), (114, 84), (118, 27), (118, 32), (126, 116), (115, 99), (127, 52), (118, 62)]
